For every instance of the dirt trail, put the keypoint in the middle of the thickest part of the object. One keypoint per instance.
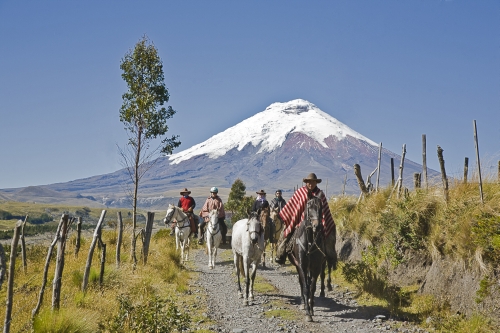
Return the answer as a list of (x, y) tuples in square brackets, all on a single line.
[(337, 312)]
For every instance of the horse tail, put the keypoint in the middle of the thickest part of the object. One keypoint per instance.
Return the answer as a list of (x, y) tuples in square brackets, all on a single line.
[(240, 265)]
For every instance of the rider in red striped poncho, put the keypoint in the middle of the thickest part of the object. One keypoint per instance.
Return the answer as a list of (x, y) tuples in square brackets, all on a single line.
[(293, 213)]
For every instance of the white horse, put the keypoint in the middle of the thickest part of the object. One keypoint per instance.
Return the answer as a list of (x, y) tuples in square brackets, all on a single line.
[(213, 237), (182, 229), (247, 242)]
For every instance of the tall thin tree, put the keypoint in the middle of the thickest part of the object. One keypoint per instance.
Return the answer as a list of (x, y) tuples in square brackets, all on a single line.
[(144, 116)]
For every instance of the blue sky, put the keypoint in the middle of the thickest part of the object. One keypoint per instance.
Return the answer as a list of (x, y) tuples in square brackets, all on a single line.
[(390, 70)]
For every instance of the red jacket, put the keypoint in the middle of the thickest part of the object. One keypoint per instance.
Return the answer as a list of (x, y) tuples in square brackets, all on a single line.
[(186, 202), (293, 212)]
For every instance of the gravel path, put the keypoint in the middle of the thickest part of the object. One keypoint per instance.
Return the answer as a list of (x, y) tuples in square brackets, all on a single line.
[(337, 312)]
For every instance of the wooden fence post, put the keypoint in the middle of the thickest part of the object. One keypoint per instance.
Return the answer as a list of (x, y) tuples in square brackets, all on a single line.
[(343, 188), (119, 240), (361, 182), (61, 245), (466, 169), (23, 245), (78, 235), (416, 180), (91, 251), (424, 162), (10, 282), (147, 237), (478, 163), (103, 261), (498, 171), (443, 172), (401, 167), (45, 271), (392, 171), (3, 265), (378, 166)]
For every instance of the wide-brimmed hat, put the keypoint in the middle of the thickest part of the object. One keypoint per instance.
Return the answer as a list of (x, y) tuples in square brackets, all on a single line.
[(311, 176), (261, 192), (185, 191)]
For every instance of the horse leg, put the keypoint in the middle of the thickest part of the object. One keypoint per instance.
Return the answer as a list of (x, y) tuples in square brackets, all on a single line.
[(328, 278), (237, 259), (322, 277), (247, 279), (254, 272), (305, 284), (264, 256), (214, 254), (311, 293), (209, 247)]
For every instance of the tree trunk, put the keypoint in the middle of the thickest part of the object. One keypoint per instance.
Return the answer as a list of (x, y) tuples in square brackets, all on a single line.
[(478, 163), (12, 270), (134, 201), (147, 237), (78, 236), (23, 246), (378, 166), (91, 251), (424, 162), (46, 270), (416, 180), (119, 240), (57, 283), (443, 172)]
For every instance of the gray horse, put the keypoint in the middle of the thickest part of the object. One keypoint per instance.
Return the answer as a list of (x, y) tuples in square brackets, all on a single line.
[(247, 242)]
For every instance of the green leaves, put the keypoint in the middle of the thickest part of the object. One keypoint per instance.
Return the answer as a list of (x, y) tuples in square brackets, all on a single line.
[(142, 111)]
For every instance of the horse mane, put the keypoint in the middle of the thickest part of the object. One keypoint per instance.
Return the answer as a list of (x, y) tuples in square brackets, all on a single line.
[(264, 214)]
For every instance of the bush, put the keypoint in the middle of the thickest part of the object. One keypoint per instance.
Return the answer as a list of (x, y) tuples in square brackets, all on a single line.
[(154, 315)]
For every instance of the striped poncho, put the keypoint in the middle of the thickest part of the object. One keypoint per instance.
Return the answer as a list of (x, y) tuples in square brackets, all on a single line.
[(293, 212)]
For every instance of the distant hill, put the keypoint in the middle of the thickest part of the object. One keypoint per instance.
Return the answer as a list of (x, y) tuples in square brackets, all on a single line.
[(273, 149)]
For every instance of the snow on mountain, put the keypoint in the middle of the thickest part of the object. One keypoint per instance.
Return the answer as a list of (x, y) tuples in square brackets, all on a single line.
[(270, 128)]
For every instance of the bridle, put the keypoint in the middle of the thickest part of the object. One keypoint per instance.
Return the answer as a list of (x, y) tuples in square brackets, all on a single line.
[(312, 245), (179, 223)]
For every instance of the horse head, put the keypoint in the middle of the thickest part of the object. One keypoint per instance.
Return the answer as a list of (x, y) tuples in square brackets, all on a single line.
[(254, 227), (170, 214), (263, 214), (213, 217), (314, 214)]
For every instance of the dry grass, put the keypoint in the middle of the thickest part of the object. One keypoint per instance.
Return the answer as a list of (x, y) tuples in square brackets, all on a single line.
[(162, 277)]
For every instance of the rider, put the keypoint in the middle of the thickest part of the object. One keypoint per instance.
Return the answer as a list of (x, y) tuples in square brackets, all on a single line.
[(293, 212), (278, 201), (260, 202), (187, 203), (213, 202)]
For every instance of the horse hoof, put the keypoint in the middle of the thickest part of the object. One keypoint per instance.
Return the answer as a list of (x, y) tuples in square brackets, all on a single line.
[(240, 295), (210, 267), (322, 294), (245, 302), (250, 298), (308, 318), (302, 307), (329, 288)]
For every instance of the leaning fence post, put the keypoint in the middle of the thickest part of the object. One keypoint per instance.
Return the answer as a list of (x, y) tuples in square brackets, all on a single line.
[(57, 283), (91, 251), (378, 166), (416, 180), (23, 245), (443, 172), (45, 271), (103, 261), (478, 163), (498, 171), (119, 239), (12, 270), (147, 237), (424, 161), (361, 183), (343, 187)]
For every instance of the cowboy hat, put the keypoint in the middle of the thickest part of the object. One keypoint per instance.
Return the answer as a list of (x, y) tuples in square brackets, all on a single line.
[(311, 176), (261, 192), (185, 191)]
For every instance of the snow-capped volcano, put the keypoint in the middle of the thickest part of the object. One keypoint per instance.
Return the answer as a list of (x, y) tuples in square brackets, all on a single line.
[(270, 128)]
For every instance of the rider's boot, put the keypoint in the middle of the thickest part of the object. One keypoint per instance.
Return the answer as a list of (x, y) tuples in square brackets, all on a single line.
[(202, 233), (172, 230), (281, 250)]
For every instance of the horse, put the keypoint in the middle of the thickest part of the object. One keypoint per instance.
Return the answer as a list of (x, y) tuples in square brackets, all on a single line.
[(247, 242), (182, 229), (308, 254), (275, 230), (213, 237), (267, 226)]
